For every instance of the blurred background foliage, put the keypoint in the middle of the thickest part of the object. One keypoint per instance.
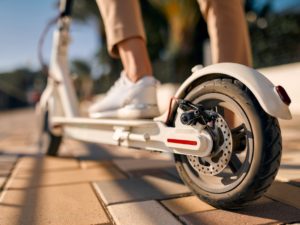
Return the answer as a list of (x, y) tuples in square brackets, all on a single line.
[(176, 36)]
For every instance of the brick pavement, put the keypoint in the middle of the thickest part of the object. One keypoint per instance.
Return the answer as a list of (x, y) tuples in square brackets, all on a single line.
[(91, 184)]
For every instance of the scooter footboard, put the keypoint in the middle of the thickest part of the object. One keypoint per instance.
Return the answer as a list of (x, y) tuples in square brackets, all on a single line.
[(140, 134)]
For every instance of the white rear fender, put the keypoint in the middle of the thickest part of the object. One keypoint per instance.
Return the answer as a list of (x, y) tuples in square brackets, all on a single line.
[(259, 85)]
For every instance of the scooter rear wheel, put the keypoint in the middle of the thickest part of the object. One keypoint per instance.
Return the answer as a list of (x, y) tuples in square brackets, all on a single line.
[(232, 181)]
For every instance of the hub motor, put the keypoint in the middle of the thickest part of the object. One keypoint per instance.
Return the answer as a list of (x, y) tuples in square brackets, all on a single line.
[(221, 154)]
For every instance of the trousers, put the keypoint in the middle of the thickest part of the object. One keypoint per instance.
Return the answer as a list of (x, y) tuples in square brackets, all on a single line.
[(225, 19)]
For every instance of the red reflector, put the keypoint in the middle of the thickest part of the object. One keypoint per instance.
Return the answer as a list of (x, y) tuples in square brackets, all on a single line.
[(283, 95), (183, 142)]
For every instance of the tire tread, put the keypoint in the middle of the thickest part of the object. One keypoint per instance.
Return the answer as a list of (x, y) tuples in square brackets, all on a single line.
[(271, 153)]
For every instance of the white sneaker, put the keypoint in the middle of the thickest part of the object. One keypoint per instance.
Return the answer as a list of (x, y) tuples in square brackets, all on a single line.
[(128, 100)]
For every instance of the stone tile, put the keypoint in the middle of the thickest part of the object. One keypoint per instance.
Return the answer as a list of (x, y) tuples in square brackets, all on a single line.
[(105, 152), (290, 134), (148, 167), (142, 164), (2, 181), (295, 182), (173, 172), (291, 145), (20, 150), (87, 164), (290, 124), (186, 205), (285, 193), (131, 153), (290, 158), (5, 172), (137, 213), (159, 173), (110, 152), (35, 178), (47, 163), (263, 212), (137, 189), (6, 168), (167, 187), (288, 172), (70, 204), (8, 159)]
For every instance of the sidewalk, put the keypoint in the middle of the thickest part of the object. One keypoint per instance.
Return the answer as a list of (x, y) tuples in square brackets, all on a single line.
[(91, 184)]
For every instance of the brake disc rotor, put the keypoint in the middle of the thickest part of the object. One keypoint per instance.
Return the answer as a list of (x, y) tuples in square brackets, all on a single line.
[(220, 157)]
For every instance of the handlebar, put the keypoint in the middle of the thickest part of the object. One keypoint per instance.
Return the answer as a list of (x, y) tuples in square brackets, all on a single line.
[(66, 7)]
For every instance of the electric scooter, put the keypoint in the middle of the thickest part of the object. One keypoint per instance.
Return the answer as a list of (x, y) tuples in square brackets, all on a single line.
[(225, 164)]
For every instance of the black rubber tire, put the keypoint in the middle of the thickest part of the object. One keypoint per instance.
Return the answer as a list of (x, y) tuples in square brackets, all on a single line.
[(266, 151), (53, 142)]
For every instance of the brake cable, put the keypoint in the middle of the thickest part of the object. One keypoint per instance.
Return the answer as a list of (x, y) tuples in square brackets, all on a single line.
[(44, 65)]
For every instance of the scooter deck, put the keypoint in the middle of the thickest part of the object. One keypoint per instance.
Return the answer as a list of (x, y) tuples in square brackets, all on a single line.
[(109, 122), (142, 134)]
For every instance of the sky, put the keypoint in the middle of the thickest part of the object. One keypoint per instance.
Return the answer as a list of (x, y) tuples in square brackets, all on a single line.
[(279, 5), (21, 24)]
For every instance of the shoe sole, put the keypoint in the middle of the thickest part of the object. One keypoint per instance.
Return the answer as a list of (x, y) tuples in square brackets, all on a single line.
[(128, 113)]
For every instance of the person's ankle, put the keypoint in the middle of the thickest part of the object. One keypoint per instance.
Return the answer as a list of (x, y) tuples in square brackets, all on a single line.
[(135, 78)]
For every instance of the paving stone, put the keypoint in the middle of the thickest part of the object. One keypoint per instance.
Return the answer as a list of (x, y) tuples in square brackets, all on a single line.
[(159, 173), (107, 152), (291, 145), (285, 193), (35, 178), (288, 172), (70, 204), (47, 163), (263, 212), (173, 172), (186, 205), (137, 213), (8, 158), (142, 164), (5, 172), (291, 134), (137, 189), (90, 151), (290, 158), (20, 150), (2, 181), (6, 168), (295, 182), (87, 164), (148, 167)]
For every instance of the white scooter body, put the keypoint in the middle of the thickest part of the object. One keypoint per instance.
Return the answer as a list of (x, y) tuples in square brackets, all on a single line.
[(262, 88), (60, 101), (224, 163)]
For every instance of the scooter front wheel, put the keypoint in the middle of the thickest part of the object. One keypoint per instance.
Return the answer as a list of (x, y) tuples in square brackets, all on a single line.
[(246, 156), (48, 143)]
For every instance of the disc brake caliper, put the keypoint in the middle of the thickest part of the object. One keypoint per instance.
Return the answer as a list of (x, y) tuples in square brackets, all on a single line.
[(195, 113), (216, 125)]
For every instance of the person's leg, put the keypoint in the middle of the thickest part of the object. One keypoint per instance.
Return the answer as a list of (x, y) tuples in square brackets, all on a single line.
[(134, 94), (134, 55), (126, 36), (229, 36), (227, 30)]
